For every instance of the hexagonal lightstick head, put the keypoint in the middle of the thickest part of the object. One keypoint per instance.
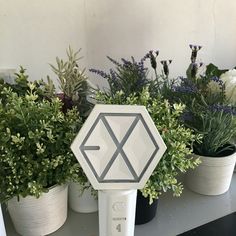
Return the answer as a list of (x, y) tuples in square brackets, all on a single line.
[(118, 147)]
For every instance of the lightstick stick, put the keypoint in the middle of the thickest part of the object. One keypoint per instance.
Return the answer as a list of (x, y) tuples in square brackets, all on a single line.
[(118, 148), (2, 227)]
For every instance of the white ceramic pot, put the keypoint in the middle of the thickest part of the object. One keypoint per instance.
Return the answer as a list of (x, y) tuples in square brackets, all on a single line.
[(213, 176), (42, 216), (82, 200), (2, 226)]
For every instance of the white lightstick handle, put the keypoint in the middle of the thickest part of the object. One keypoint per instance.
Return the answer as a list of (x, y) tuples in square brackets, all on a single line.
[(117, 212), (2, 226)]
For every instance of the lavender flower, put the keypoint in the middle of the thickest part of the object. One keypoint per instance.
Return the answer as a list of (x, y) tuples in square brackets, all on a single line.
[(184, 89), (153, 60), (100, 72), (152, 56), (145, 57), (194, 49), (223, 108), (165, 65), (141, 67), (149, 55), (126, 63), (113, 74), (114, 61), (218, 81), (186, 86)]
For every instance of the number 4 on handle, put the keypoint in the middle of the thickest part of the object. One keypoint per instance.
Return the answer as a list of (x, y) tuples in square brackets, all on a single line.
[(118, 227)]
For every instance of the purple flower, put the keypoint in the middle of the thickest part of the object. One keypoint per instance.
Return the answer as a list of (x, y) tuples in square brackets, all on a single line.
[(186, 86), (128, 75), (113, 74), (195, 49), (114, 61), (223, 108), (165, 65), (153, 60), (100, 72), (218, 81), (184, 89), (145, 58), (141, 67), (126, 63)]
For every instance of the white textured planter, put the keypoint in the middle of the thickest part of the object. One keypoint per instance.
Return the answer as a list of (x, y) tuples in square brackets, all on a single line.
[(2, 226), (213, 176), (82, 200), (42, 216)]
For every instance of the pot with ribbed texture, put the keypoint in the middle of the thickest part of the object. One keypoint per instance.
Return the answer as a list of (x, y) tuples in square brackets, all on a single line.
[(82, 199), (39, 216), (213, 176)]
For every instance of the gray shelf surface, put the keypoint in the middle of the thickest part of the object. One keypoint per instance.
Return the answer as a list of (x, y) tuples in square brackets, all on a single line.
[(174, 215)]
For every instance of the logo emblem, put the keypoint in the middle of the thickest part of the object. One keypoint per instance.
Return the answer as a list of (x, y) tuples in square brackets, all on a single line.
[(118, 147), (121, 127)]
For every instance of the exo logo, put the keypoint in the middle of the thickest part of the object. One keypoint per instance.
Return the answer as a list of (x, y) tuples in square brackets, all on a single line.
[(124, 168), (118, 147)]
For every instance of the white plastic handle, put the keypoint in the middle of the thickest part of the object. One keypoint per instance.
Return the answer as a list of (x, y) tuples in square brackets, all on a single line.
[(117, 212), (2, 226)]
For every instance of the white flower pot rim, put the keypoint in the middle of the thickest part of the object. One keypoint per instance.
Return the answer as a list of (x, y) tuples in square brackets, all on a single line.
[(49, 189), (57, 185), (216, 161), (42, 216), (213, 175)]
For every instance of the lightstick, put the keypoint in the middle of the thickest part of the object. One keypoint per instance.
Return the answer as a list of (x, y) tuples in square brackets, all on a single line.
[(118, 148), (2, 227)]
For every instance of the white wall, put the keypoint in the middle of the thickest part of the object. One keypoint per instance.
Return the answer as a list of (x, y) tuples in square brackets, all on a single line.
[(33, 33)]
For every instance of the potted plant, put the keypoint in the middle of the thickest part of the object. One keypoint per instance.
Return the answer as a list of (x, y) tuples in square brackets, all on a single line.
[(73, 83), (123, 80), (75, 90), (177, 138), (210, 110), (35, 159)]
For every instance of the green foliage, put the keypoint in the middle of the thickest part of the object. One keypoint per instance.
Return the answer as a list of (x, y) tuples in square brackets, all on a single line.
[(35, 144), (212, 70), (73, 83), (177, 138), (3, 85), (43, 89), (218, 129)]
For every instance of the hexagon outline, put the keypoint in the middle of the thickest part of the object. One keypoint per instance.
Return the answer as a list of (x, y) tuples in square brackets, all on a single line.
[(90, 124), (136, 178)]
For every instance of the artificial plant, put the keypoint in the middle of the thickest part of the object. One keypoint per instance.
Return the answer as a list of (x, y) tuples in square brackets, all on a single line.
[(177, 138)]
